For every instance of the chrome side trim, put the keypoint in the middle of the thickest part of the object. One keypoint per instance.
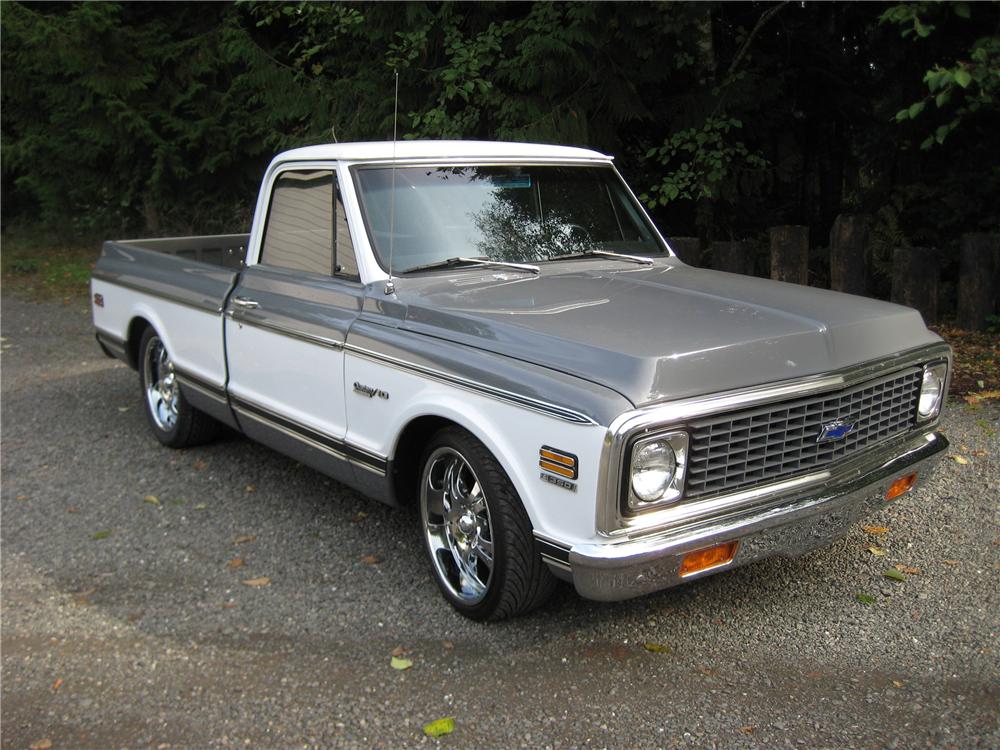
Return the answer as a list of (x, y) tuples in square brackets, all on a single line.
[(542, 407), (314, 438), (552, 551), (204, 305), (238, 316), (210, 390), (610, 519)]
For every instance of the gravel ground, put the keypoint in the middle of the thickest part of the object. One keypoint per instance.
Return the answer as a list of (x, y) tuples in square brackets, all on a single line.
[(126, 623)]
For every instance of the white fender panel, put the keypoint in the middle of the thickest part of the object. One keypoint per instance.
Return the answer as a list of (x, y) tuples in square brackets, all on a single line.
[(192, 337), (512, 433)]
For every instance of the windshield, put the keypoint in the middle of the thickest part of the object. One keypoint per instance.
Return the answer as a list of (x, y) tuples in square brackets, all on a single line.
[(520, 214)]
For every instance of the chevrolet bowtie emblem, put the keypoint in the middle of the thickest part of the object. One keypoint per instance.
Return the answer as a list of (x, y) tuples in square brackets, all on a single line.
[(836, 430)]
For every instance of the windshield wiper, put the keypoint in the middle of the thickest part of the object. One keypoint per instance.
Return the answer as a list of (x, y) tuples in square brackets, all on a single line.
[(458, 262), (604, 254)]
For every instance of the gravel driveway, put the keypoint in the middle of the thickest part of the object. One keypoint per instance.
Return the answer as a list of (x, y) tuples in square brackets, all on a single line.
[(127, 621)]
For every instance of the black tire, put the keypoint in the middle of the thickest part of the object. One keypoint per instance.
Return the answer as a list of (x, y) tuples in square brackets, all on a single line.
[(517, 580), (174, 422)]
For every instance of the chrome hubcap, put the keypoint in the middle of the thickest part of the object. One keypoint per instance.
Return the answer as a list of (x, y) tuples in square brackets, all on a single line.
[(161, 385), (457, 525)]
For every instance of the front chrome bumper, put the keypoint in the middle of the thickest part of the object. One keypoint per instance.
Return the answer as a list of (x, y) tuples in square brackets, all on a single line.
[(789, 527)]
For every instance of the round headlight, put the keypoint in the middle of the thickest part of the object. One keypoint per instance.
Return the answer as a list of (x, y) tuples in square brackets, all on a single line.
[(653, 466), (931, 390)]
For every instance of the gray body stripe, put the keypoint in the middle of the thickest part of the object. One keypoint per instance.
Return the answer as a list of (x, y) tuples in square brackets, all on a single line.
[(283, 331), (203, 386), (112, 343), (326, 443), (542, 407), (205, 305), (110, 338)]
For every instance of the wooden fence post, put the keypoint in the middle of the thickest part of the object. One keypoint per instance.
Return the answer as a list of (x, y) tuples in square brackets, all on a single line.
[(978, 280), (732, 256), (915, 279), (688, 249), (848, 254), (790, 254)]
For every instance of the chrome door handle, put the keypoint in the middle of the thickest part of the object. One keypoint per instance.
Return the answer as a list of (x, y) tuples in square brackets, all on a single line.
[(246, 303)]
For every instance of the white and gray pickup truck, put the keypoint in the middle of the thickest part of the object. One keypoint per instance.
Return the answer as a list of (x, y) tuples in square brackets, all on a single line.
[(499, 334)]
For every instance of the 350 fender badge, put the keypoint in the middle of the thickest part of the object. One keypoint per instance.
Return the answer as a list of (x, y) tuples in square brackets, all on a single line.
[(367, 390), (558, 481)]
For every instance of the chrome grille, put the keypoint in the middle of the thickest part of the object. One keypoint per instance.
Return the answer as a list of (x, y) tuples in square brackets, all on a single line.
[(771, 442)]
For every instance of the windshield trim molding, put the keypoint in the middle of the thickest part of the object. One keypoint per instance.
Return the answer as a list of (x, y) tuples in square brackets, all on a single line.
[(437, 161)]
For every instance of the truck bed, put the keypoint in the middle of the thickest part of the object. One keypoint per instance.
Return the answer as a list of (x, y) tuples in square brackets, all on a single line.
[(197, 272), (226, 250)]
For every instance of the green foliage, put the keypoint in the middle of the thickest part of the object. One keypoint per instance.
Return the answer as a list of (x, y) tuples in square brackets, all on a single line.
[(111, 112), (910, 16), (969, 83), (728, 117), (701, 161)]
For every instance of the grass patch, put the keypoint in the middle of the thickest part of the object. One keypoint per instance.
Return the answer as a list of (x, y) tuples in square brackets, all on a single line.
[(44, 267)]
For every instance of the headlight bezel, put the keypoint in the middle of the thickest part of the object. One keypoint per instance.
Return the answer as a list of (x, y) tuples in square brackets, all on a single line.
[(678, 441), (938, 369)]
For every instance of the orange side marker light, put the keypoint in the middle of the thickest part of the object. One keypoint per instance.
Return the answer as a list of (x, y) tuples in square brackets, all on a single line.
[(900, 487), (710, 557)]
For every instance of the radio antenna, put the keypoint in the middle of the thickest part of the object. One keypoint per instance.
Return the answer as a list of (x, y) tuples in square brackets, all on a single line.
[(390, 287)]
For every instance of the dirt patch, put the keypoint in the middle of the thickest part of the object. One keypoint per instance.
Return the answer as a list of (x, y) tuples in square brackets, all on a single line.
[(977, 360)]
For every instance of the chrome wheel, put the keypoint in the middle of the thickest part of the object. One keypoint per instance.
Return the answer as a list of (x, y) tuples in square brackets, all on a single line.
[(160, 381), (457, 525)]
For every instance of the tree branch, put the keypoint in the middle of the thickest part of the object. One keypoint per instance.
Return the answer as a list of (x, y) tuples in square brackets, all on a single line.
[(766, 16)]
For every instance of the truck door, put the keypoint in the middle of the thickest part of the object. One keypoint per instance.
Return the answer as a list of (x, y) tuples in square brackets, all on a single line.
[(287, 319)]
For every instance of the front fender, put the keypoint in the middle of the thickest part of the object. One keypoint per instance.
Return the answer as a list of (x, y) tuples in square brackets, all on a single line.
[(512, 433)]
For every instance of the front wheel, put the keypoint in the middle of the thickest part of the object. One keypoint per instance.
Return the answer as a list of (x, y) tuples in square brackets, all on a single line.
[(477, 533), (174, 422)]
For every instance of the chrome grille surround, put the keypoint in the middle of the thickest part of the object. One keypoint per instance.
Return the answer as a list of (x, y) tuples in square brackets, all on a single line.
[(736, 450), (614, 519)]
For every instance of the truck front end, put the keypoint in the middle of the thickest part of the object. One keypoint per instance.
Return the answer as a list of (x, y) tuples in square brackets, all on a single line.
[(702, 485)]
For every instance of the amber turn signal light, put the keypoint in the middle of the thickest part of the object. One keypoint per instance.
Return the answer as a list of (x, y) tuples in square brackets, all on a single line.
[(705, 559), (900, 487)]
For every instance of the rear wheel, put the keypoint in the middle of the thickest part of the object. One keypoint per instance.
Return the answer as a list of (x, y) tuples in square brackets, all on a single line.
[(174, 421), (477, 533)]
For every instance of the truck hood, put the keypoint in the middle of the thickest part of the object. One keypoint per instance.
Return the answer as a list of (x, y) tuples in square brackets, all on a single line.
[(661, 332)]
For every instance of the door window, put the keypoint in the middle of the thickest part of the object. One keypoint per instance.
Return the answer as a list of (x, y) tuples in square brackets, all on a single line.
[(306, 227)]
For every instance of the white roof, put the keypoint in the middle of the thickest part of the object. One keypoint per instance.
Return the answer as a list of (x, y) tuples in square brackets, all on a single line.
[(410, 150)]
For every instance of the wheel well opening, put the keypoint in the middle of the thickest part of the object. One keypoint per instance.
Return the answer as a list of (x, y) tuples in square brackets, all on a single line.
[(136, 329), (409, 450)]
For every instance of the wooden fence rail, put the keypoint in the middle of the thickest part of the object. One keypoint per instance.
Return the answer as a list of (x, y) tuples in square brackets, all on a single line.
[(849, 261), (790, 254), (915, 280), (915, 270), (978, 281)]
